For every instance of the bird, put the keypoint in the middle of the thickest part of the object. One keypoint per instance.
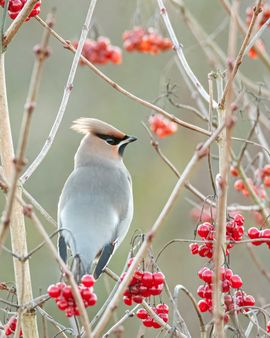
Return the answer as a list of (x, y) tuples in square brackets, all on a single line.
[(95, 207)]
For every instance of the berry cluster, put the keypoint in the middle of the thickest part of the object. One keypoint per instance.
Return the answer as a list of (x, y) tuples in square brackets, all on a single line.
[(10, 327), (255, 233), (206, 230), (229, 281), (240, 299), (64, 299), (144, 40), (100, 51), (239, 185), (262, 176), (264, 16), (161, 310), (162, 126), (15, 6), (142, 285)]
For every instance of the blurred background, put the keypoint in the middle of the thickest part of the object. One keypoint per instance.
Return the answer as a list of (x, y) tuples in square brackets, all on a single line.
[(146, 76)]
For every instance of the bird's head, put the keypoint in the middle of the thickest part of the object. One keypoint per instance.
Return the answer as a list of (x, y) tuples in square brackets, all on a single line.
[(102, 138)]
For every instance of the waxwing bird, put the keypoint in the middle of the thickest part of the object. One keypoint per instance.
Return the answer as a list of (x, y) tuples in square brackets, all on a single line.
[(96, 205)]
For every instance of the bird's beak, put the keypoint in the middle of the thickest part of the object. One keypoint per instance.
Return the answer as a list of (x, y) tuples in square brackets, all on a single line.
[(130, 139)]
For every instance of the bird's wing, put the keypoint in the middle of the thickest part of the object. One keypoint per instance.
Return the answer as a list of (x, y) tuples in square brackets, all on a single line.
[(104, 259), (62, 248)]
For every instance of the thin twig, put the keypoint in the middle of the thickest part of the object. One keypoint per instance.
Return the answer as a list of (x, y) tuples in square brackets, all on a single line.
[(121, 90), (179, 50), (66, 95), (127, 315), (177, 290), (240, 55)]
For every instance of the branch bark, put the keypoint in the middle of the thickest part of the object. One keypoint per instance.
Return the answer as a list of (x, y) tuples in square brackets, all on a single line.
[(17, 225)]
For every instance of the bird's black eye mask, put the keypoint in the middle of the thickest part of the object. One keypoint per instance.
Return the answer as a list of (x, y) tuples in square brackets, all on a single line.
[(111, 139)]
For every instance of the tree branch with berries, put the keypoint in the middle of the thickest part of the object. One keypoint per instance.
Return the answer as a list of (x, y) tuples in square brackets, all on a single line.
[(233, 210)]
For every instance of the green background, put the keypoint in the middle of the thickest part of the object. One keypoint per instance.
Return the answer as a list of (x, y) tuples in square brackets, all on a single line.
[(145, 76)]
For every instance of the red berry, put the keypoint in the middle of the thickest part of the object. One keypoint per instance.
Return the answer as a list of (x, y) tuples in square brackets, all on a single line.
[(138, 299), (54, 291), (266, 181), (239, 219), (148, 322), (93, 300), (268, 327), (201, 291), (207, 276), (266, 170), (127, 300), (203, 229), (200, 272), (162, 308), (142, 314), (156, 325), (249, 300), (208, 292), (88, 280), (239, 185), (225, 286), (234, 171), (265, 234), (253, 233), (156, 290), (228, 274), (193, 247), (147, 279), (158, 278), (86, 293), (203, 306), (62, 304), (164, 317), (236, 282)]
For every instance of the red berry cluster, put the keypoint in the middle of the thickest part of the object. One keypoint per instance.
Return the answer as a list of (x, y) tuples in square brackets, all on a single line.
[(10, 326), (100, 52), (255, 233), (239, 185), (206, 230), (264, 16), (161, 310), (144, 40), (261, 175), (240, 299), (162, 126), (15, 6), (229, 280), (142, 285), (64, 299)]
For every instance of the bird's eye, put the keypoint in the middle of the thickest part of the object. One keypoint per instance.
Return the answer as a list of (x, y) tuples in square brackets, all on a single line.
[(112, 141)]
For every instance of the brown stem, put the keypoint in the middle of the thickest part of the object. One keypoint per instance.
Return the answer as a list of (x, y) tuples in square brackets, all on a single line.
[(16, 220), (240, 55), (120, 89)]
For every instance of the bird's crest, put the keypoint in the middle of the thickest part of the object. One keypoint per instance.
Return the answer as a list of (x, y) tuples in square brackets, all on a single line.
[(85, 125)]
